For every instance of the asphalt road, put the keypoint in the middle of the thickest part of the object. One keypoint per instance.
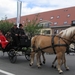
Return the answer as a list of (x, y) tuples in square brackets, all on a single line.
[(21, 67)]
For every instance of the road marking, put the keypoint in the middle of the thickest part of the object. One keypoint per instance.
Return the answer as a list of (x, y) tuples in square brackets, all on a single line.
[(5, 72)]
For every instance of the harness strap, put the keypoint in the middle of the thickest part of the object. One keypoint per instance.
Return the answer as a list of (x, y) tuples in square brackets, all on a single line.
[(43, 48), (53, 46), (49, 47), (67, 46)]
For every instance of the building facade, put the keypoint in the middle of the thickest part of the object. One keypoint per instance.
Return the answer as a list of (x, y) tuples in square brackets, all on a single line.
[(60, 19)]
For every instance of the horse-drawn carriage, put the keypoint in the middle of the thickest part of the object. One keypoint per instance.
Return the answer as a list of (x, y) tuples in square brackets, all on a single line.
[(13, 50), (58, 44)]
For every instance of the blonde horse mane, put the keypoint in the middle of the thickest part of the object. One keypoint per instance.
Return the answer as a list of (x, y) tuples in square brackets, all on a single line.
[(69, 32)]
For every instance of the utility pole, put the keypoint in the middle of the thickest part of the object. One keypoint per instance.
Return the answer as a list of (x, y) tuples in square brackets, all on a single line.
[(19, 5)]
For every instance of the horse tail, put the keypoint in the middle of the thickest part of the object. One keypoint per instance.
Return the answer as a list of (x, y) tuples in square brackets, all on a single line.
[(33, 40)]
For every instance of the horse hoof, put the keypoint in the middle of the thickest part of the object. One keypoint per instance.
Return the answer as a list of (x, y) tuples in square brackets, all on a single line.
[(40, 63), (30, 65), (55, 67), (52, 66), (67, 69), (39, 67), (43, 62), (60, 72)]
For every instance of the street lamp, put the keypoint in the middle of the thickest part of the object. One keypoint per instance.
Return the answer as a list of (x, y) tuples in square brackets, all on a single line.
[(19, 5)]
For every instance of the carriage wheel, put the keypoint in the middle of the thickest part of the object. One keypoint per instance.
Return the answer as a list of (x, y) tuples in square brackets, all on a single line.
[(27, 55), (12, 59), (12, 56)]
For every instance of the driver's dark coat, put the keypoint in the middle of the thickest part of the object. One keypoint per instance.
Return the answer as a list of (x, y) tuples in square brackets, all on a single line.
[(14, 31), (21, 32)]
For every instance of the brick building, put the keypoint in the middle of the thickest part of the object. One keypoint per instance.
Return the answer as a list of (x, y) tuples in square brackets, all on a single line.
[(55, 19)]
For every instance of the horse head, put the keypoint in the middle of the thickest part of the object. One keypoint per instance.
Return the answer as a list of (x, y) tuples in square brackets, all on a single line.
[(68, 34)]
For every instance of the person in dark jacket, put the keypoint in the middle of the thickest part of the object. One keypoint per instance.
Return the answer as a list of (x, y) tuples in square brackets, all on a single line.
[(22, 35), (14, 34), (21, 31)]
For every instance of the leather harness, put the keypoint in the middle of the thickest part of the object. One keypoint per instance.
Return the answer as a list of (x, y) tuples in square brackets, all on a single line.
[(53, 45)]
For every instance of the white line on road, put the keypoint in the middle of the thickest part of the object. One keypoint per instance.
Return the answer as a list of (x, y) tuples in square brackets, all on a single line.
[(5, 72)]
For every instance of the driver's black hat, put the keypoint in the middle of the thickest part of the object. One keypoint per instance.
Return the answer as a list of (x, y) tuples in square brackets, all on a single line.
[(20, 25)]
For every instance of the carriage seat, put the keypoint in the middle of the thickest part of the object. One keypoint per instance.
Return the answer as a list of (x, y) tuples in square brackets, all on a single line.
[(25, 42)]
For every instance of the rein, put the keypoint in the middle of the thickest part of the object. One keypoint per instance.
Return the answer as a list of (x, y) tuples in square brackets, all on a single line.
[(67, 39)]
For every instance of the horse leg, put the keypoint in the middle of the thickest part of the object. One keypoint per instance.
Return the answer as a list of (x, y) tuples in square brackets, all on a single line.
[(38, 57), (54, 62), (44, 60), (59, 56), (64, 62), (32, 58), (40, 60)]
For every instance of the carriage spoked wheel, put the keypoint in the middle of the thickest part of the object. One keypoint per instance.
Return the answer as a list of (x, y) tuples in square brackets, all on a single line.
[(27, 55), (12, 56)]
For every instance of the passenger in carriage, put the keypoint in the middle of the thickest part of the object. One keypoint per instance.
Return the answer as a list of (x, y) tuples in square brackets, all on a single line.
[(8, 36), (3, 40), (14, 34)]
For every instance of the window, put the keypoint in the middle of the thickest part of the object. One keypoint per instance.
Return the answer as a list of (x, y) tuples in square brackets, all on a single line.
[(58, 16), (23, 21), (46, 25), (40, 19), (55, 23), (73, 23), (65, 22), (40, 25), (65, 10), (28, 20), (56, 31), (52, 17), (46, 32), (68, 15)]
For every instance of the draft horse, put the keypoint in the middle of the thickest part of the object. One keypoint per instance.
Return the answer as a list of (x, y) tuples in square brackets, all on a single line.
[(57, 44)]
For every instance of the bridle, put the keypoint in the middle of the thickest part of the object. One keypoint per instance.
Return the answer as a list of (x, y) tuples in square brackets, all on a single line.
[(64, 39)]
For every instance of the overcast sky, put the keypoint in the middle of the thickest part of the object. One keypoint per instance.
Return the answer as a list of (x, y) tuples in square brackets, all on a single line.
[(9, 7)]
